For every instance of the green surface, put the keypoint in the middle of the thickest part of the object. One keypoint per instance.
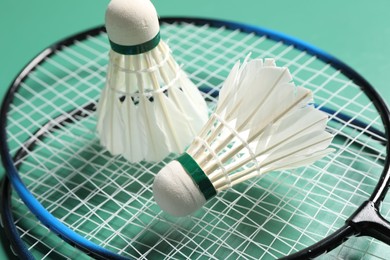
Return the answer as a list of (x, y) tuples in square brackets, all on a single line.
[(357, 32)]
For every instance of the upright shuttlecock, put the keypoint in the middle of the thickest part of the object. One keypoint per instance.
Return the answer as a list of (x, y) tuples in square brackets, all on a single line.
[(262, 123), (149, 107)]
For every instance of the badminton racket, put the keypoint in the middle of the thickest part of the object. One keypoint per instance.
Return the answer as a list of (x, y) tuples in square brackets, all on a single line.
[(104, 204)]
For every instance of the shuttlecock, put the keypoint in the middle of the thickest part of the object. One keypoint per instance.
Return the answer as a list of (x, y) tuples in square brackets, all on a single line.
[(262, 122), (148, 107)]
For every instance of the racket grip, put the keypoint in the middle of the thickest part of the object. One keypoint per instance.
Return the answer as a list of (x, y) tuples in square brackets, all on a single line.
[(367, 221)]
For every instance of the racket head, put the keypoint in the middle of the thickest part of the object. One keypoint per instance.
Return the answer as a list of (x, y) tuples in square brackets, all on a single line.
[(273, 216)]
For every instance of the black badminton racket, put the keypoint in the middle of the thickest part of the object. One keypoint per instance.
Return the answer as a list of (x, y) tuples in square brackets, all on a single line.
[(104, 204)]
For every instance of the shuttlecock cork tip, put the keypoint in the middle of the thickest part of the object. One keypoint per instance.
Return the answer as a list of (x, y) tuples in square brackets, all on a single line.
[(176, 192), (132, 23)]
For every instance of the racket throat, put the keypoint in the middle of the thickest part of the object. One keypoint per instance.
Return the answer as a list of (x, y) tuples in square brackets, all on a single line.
[(368, 222)]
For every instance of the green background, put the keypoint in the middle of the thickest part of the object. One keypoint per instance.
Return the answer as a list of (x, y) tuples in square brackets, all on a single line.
[(355, 31)]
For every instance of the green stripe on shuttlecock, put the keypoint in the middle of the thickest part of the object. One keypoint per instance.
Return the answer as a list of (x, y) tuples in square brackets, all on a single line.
[(136, 49), (198, 175)]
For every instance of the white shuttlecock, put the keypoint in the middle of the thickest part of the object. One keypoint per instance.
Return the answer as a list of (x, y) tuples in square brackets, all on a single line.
[(262, 122), (149, 107)]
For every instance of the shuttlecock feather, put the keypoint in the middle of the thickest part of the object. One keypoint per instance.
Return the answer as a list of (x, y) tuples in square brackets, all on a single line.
[(149, 107), (262, 123)]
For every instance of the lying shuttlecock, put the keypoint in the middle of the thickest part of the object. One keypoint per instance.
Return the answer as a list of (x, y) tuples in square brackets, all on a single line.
[(149, 107), (262, 123)]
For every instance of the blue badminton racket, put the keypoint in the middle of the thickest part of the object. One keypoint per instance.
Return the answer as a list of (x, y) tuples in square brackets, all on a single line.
[(104, 204)]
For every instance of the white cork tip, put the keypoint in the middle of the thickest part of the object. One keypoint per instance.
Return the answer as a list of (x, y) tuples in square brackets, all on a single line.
[(175, 191), (131, 22)]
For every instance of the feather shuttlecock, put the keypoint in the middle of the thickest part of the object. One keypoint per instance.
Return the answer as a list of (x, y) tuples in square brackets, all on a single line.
[(262, 123), (149, 107)]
